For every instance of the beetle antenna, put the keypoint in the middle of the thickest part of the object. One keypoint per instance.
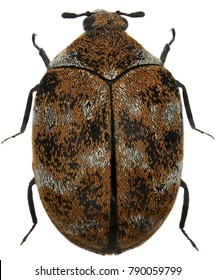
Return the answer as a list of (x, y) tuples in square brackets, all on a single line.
[(133, 15), (73, 15)]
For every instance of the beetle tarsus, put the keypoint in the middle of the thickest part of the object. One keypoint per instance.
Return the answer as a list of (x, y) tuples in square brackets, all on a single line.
[(42, 52), (31, 208), (184, 213), (167, 47), (188, 109), (191, 241)]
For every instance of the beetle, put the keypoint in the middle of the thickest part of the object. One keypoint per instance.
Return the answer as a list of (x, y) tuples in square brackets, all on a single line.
[(107, 138)]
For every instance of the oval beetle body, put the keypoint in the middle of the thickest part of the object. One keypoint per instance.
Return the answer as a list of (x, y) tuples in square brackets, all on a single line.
[(107, 138)]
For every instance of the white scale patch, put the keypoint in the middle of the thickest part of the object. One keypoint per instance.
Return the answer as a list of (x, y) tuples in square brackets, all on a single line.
[(170, 180), (45, 180), (65, 59), (81, 227), (131, 158), (172, 110), (36, 115), (98, 158), (140, 220), (110, 74), (134, 106), (146, 58), (153, 114), (88, 109), (50, 117)]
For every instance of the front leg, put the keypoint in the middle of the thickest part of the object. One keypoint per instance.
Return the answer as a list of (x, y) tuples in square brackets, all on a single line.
[(26, 114), (167, 47)]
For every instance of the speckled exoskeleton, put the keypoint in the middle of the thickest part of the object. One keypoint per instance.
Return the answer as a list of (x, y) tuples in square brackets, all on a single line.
[(107, 138)]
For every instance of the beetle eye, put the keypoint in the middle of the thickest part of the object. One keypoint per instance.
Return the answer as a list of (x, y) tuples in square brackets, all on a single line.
[(125, 23), (87, 23)]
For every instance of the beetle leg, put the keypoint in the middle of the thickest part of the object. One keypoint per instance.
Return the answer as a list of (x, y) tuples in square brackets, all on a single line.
[(188, 109), (26, 114), (42, 52), (31, 208), (184, 212), (167, 47)]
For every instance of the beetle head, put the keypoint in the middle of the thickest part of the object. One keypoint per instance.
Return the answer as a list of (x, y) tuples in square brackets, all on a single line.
[(100, 18)]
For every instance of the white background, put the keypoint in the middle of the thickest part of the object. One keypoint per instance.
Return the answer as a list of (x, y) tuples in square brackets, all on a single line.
[(192, 61)]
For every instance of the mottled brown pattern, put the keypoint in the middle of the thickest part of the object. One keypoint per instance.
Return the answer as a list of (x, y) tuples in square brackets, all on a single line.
[(75, 151), (107, 141), (148, 150)]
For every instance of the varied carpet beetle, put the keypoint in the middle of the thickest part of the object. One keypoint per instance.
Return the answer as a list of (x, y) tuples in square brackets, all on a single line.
[(107, 138)]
